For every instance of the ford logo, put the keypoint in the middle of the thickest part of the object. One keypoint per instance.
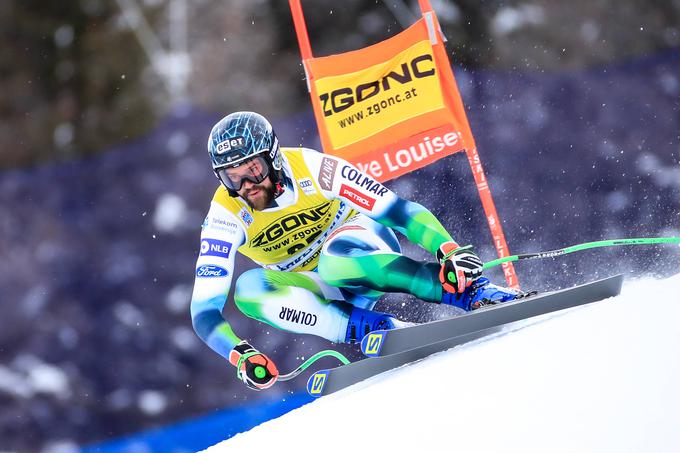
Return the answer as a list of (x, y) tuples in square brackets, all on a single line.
[(210, 270)]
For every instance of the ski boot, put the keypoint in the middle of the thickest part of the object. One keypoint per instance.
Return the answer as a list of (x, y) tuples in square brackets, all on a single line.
[(362, 321), (479, 294)]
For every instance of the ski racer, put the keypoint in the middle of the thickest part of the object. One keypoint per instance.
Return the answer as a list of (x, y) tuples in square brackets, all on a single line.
[(323, 233)]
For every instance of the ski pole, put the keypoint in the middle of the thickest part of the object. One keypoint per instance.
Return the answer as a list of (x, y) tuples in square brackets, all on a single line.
[(312, 359), (579, 247), (574, 248)]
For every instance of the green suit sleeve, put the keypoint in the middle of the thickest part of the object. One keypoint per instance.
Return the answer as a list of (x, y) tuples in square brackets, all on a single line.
[(417, 223)]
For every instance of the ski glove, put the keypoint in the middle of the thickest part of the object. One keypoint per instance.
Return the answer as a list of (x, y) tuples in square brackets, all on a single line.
[(460, 266), (255, 369)]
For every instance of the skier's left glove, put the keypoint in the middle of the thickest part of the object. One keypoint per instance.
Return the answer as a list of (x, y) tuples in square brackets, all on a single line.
[(255, 369), (460, 266)]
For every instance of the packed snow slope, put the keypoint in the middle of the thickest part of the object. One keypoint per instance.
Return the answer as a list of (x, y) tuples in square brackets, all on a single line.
[(600, 378)]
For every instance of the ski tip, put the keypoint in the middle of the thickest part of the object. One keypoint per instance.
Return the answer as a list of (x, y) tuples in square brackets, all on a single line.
[(317, 382), (372, 343)]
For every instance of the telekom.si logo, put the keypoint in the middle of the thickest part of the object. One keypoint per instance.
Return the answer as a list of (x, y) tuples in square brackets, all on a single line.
[(357, 197)]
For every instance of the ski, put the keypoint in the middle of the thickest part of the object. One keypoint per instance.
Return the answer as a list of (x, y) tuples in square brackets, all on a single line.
[(324, 382), (418, 344), (386, 342)]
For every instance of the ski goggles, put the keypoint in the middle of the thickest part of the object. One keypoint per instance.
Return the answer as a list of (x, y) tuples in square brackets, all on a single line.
[(254, 170)]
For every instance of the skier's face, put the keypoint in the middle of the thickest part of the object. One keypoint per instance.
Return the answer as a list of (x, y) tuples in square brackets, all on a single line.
[(251, 181), (258, 196)]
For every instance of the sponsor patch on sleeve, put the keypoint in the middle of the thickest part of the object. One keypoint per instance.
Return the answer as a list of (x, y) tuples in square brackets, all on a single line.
[(211, 270), (327, 173), (223, 225), (358, 198), (363, 181), (215, 247)]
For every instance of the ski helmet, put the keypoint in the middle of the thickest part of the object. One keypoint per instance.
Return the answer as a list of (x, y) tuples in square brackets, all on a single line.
[(239, 137)]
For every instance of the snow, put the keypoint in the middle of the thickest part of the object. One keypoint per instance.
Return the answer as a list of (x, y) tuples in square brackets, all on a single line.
[(170, 213), (508, 19), (152, 402), (178, 143), (178, 298), (28, 375), (598, 378)]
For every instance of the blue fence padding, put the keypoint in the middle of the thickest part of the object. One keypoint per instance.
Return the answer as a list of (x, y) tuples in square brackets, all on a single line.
[(201, 433)]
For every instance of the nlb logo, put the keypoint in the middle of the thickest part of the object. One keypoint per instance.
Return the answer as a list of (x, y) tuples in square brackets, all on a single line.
[(215, 247), (373, 342), (317, 382)]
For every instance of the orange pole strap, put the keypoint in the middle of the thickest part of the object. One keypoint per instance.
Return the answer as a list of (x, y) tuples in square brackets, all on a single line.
[(301, 29), (492, 216)]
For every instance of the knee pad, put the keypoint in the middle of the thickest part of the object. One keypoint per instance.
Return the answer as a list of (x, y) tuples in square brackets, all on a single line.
[(248, 291)]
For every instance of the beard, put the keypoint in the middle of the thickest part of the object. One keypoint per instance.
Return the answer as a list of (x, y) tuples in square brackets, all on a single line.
[(262, 199)]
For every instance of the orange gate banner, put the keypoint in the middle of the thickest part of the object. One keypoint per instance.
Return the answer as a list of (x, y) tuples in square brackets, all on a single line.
[(394, 107), (387, 108)]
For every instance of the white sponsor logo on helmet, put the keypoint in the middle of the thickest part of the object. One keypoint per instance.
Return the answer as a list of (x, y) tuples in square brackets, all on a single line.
[(274, 148), (227, 145)]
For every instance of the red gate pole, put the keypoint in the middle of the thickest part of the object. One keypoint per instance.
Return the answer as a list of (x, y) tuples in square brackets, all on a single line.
[(491, 215), (301, 29), (490, 212)]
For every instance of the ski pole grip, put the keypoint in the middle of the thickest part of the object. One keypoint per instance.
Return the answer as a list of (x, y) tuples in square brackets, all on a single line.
[(260, 372), (452, 276), (245, 357)]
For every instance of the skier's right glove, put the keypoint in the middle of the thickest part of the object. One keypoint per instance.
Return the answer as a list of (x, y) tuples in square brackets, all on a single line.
[(460, 266), (255, 369)]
